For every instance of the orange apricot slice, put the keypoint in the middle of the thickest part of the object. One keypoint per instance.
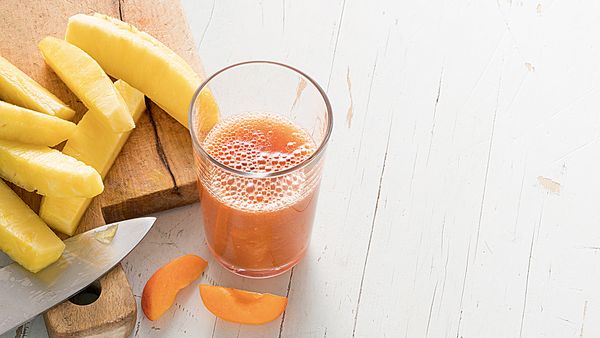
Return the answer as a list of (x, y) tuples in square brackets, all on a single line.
[(243, 307), (162, 288)]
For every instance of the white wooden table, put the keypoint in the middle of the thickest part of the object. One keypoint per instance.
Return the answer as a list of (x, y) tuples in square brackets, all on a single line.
[(460, 196)]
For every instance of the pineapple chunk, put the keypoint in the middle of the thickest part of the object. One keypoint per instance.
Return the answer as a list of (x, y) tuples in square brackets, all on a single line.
[(144, 62), (64, 213), (28, 126), (88, 81), (84, 145), (47, 171), (23, 235), (18, 88)]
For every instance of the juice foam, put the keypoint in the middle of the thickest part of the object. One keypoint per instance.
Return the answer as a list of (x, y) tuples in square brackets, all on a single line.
[(258, 143)]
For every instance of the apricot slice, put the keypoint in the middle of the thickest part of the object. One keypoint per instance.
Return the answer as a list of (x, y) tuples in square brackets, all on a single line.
[(162, 288), (243, 307)]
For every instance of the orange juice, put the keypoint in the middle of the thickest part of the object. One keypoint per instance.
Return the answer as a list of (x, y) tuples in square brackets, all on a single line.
[(258, 226)]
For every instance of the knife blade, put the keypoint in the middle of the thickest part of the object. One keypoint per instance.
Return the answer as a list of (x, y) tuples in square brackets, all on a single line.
[(87, 257)]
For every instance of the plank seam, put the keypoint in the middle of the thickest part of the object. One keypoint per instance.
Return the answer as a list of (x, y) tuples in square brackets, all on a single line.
[(362, 133), (431, 309), (337, 38), (287, 294), (533, 237), (214, 328), (582, 319), (435, 107), (362, 280), (462, 292), (487, 167), (485, 180), (212, 10)]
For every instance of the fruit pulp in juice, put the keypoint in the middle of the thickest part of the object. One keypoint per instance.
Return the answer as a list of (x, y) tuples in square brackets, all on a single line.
[(258, 227)]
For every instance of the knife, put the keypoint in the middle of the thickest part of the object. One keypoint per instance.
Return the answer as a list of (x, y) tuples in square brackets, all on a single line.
[(87, 257)]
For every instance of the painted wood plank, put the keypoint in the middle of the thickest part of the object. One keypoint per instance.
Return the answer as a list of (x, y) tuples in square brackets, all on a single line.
[(458, 197), (486, 287), (427, 273), (221, 36), (364, 89)]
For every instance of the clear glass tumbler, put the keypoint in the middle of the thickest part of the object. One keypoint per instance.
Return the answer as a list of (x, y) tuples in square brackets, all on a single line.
[(259, 166)]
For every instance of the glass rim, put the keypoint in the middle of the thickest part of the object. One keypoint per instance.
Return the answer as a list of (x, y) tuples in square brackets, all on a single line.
[(316, 155)]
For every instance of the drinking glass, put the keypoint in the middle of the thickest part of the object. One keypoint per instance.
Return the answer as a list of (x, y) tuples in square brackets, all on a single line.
[(258, 221)]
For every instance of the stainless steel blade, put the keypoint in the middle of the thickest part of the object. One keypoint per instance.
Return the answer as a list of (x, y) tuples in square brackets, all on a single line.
[(87, 257)]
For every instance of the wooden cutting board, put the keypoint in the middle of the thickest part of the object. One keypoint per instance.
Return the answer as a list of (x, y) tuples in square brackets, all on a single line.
[(153, 172)]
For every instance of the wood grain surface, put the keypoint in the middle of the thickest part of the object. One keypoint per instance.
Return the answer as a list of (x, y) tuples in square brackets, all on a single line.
[(113, 314)]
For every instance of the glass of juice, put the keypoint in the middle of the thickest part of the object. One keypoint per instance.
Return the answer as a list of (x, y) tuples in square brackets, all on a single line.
[(259, 165)]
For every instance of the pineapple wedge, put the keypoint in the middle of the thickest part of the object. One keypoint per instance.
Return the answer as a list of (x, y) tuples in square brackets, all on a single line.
[(84, 145), (47, 171), (88, 81), (64, 213), (28, 126), (144, 62), (18, 88), (23, 235)]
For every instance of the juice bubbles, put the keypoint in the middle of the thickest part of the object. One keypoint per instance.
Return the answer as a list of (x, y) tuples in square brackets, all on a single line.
[(258, 226)]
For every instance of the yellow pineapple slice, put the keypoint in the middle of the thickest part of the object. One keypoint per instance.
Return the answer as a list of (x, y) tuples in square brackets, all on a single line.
[(88, 81), (23, 235), (84, 144), (94, 145), (47, 171), (144, 62), (18, 88), (28, 126)]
